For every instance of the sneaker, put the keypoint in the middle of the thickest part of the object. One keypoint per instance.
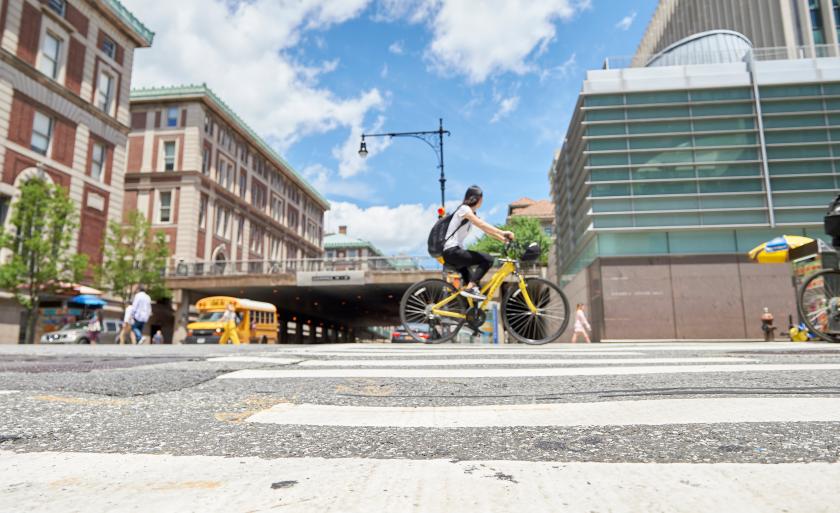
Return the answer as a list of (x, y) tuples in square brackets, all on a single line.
[(473, 293)]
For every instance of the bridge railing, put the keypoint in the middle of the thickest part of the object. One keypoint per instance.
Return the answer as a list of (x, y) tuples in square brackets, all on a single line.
[(256, 267), (183, 269)]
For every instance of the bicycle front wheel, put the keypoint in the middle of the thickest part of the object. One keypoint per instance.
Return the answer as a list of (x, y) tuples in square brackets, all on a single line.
[(819, 304), (426, 326), (540, 327)]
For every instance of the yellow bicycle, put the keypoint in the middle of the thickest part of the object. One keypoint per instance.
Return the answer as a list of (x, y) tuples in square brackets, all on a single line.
[(533, 310)]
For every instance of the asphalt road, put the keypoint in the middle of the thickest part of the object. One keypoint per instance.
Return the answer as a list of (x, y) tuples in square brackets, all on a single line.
[(620, 427)]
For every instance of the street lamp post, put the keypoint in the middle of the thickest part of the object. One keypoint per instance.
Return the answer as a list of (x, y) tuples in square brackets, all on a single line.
[(433, 138)]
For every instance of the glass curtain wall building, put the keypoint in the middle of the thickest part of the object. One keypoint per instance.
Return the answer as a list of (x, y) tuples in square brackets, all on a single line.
[(690, 168)]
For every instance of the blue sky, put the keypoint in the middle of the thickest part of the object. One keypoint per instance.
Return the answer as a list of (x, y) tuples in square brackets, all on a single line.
[(311, 75)]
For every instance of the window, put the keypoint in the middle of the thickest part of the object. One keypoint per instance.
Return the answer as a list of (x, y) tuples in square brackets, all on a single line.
[(104, 92), (42, 126), (202, 212), (172, 117), (5, 202), (109, 47), (240, 232), (222, 218), (243, 184), (165, 211), (205, 161), (58, 6), (229, 177), (816, 21), (169, 156), (256, 240), (48, 63), (97, 161), (277, 207)]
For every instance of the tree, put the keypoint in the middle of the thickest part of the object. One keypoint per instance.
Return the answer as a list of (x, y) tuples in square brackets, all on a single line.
[(133, 255), (43, 222), (526, 229)]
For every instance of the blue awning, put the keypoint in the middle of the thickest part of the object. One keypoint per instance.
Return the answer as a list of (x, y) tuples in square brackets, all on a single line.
[(88, 300)]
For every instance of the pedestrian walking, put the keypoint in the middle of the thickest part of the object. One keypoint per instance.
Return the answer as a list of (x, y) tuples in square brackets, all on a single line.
[(581, 325), (157, 338), (229, 320), (128, 321), (767, 325), (94, 327), (142, 306)]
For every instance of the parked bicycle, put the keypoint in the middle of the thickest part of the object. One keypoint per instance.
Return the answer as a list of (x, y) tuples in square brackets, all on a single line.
[(819, 297), (533, 310)]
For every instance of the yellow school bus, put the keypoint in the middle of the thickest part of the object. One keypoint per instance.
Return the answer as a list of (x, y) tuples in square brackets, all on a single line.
[(256, 321)]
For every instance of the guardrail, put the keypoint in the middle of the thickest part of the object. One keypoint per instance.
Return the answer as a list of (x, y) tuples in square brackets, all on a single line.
[(183, 269), (257, 267)]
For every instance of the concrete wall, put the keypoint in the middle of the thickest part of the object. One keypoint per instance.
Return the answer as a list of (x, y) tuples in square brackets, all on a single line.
[(691, 297)]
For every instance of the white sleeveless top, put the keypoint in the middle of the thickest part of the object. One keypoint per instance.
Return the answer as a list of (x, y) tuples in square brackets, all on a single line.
[(457, 240)]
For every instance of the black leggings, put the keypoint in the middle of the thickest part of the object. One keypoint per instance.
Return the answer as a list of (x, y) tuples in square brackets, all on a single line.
[(471, 264)]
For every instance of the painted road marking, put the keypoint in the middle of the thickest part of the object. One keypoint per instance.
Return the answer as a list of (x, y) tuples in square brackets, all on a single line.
[(255, 359), (468, 352), (6, 392), (513, 361), (653, 412), (165, 483), (528, 372)]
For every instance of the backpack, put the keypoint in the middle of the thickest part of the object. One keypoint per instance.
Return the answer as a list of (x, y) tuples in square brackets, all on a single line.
[(438, 238)]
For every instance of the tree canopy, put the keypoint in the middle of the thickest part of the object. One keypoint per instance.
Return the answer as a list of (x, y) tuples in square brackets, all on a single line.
[(133, 255), (526, 229), (43, 225)]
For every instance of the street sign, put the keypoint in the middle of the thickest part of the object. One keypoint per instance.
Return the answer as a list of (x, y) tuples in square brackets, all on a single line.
[(330, 278)]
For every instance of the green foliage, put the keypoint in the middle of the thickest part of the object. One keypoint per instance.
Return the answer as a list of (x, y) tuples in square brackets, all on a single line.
[(43, 224), (526, 229), (133, 255)]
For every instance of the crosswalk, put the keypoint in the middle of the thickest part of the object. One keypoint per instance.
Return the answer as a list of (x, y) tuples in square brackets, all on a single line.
[(628, 427)]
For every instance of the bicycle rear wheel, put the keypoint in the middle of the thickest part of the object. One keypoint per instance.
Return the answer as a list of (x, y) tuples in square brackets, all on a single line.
[(819, 304), (418, 319), (540, 327)]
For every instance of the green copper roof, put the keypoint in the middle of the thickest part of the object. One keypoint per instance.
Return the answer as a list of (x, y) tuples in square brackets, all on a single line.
[(131, 20), (338, 241), (193, 90)]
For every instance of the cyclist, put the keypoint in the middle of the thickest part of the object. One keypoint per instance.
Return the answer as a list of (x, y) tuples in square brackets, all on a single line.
[(472, 265)]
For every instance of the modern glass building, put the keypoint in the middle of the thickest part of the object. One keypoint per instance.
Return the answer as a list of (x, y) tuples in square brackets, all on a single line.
[(697, 159)]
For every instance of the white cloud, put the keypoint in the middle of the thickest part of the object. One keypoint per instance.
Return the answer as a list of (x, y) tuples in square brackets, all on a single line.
[(402, 229), (325, 181), (562, 71), (383, 73), (506, 106), (241, 50), (626, 22), (480, 39), (396, 48), (349, 162)]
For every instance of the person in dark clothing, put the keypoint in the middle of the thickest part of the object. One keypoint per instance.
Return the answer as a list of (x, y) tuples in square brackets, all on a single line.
[(472, 265)]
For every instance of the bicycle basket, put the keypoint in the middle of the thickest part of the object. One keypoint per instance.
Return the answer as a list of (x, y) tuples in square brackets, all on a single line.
[(832, 219), (532, 252)]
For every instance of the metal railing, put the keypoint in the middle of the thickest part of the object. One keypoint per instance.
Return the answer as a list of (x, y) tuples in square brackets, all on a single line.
[(277, 267), (183, 269), (705, 56)]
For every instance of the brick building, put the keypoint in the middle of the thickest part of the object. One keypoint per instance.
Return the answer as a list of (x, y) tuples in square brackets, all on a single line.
[(219, 192), (65, 74)]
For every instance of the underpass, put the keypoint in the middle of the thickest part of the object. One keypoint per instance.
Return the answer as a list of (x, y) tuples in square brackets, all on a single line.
[(317, 300)]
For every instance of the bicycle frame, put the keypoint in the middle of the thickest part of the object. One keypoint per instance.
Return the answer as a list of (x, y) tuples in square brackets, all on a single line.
[(489, 290)]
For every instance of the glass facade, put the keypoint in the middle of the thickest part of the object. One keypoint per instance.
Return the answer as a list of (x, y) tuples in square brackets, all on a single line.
[(683, 172)]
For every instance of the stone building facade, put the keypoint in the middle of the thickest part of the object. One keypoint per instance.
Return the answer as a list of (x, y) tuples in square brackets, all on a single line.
[(65, 75)]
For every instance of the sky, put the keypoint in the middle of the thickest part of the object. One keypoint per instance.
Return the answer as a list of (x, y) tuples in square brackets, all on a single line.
[(310, 76)]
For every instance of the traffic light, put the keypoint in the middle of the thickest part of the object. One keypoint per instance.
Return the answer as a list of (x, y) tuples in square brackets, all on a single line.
[(441, 212)]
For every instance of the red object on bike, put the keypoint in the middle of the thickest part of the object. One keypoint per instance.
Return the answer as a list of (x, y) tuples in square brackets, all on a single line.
[(441, 212)]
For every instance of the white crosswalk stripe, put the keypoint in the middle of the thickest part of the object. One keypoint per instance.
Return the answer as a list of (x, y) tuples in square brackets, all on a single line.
[(520, 372), (513, 361), (158, 482)]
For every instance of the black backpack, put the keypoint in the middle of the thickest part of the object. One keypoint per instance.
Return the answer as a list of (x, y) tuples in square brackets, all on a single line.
[(438, 238)]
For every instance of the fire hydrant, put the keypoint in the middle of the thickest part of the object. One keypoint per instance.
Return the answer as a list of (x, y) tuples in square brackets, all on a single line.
[(767, 325)]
